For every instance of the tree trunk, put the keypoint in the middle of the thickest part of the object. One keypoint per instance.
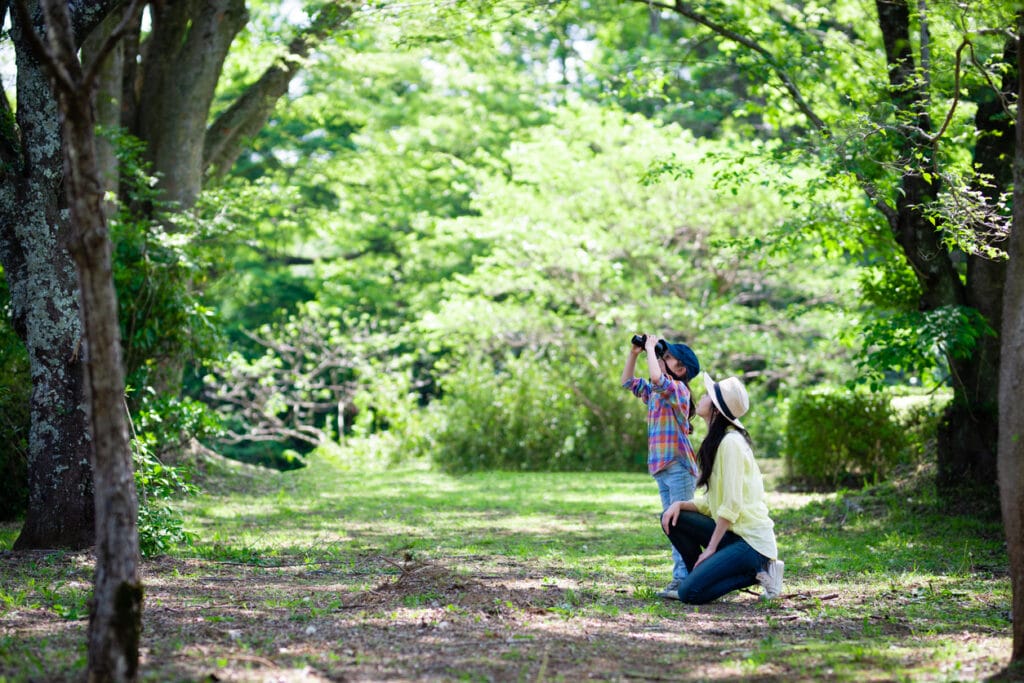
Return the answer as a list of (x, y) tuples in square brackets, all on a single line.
[(969, 430), (170, 84), (107, 103), (1011, 381), (43, 285), (181, 63), (969, 435), (115, 623)]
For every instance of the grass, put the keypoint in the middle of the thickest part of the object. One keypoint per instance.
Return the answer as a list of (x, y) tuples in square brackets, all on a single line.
[(331, 573)]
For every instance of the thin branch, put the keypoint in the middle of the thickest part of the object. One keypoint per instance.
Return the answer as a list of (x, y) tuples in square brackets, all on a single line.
[(127, 22), (932, 139), (787, 82), (988, 79), (49, 60)]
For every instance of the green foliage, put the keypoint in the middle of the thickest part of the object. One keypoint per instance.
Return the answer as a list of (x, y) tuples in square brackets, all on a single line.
[(837, 437), (161, 525), (15, 399), (162, 427), (563, 412), (918, 343), (160, 263)]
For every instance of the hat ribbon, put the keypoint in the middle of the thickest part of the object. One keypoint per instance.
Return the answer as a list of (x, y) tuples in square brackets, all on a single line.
[(721, 404)]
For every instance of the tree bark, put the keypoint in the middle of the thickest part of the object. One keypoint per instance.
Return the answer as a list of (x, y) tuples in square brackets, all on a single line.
[(970, 431), (115, 623), (1011, 380), (181, 64), (43, 285)]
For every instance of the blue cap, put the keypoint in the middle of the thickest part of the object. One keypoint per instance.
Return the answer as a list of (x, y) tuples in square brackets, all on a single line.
[(685, 355)]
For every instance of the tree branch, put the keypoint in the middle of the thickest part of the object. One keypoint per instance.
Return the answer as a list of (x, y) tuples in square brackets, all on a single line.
[(794, 92), (956, 94), (130, 18), (241, 121), (55, 68)]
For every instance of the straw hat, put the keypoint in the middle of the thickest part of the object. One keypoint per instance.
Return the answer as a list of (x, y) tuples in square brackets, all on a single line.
[(729, 396)]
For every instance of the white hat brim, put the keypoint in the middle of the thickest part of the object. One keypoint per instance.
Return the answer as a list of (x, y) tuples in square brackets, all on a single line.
[(709, 386)]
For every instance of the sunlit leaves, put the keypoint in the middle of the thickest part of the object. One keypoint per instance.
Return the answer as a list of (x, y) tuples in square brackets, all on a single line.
[(917, 343)]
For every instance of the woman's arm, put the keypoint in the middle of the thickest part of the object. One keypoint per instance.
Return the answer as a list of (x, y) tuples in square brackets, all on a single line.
[(671, 514), (721, 526)]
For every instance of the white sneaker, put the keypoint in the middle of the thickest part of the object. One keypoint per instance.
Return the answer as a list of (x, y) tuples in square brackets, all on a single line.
[(771, 579)]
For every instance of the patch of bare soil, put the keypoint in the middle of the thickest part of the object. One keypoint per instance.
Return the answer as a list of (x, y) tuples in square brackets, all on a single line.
[(376, 618)]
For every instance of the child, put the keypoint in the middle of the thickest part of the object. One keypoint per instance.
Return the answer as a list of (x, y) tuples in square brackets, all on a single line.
[(731, 523), (670, 458)]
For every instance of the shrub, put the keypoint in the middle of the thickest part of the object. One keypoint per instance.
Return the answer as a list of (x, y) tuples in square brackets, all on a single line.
[(161, 429), (161, 527), (559, 413), (920, 415), (838, 437)]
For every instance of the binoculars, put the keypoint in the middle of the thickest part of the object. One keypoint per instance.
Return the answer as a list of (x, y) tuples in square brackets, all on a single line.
[(659, 349)]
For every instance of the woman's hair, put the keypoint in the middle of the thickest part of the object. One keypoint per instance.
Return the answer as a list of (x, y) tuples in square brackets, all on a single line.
[(708, 450)]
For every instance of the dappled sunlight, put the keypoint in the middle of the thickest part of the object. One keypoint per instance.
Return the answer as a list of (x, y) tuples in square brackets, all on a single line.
[(400, 580)]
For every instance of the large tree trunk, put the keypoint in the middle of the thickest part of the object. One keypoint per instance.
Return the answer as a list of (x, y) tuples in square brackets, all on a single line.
[(170, 84), (181, 64), (43, 285), (1011, 381), (170, 88)]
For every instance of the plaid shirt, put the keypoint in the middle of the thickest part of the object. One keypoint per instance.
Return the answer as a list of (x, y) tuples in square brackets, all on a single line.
[(668, 422)]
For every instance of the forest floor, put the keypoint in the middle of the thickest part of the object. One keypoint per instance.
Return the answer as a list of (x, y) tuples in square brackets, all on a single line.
[(337, 574)]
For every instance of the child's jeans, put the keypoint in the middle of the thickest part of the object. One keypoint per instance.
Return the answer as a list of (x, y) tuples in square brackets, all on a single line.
[(675, 483), (733, 566)]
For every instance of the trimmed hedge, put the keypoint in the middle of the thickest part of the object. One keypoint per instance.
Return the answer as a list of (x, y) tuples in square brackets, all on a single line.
[(838, 437)]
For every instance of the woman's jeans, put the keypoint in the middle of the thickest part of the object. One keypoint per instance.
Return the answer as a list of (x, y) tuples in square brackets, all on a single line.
[(675, 483), (733, 566)]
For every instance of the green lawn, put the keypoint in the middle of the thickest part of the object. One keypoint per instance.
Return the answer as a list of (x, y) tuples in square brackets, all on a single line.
[(333, 573)]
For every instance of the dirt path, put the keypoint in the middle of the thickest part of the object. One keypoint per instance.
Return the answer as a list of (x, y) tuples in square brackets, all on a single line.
[(400, 619)]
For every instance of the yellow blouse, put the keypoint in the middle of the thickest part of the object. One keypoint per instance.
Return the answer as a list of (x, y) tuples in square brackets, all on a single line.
[(736, 493)]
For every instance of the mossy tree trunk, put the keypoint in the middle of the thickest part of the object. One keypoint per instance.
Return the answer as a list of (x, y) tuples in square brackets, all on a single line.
[(44, 298)]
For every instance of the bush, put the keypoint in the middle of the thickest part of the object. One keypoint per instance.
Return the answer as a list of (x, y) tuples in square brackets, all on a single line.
[(161, 429), (766, 422), (161, 527), (920, 415), (561, 413), (839, 437)]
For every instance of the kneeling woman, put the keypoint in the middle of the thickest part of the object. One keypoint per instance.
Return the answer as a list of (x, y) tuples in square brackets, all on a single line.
[(726, 538)]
